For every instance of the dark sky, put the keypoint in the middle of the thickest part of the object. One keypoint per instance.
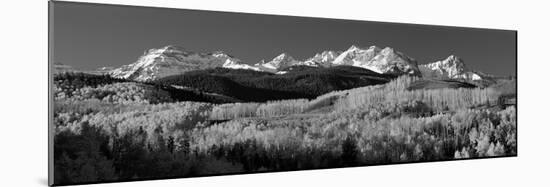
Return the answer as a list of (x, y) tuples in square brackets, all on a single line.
[(88, 36)]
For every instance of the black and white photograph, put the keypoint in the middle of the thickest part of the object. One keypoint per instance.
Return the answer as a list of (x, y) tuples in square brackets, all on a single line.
[(142, 93)]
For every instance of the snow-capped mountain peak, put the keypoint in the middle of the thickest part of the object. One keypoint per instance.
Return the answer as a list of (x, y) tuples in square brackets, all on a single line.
[(280, 62), (166, 61), (323, 59), (283, 59), (349, 56), (451, 61), (385, 60), (452, 67)]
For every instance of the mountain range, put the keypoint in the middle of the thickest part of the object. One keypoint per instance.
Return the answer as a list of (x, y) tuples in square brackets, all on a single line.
[(173, 60)]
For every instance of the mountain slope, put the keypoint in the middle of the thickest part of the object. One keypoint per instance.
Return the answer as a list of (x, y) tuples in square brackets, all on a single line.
[(256, 86)]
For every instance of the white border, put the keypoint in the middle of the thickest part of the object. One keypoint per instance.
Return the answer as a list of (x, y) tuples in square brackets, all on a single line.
[(23, 72)]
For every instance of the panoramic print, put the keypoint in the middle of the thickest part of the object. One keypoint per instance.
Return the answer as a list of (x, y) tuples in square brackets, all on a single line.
[(150, 93)]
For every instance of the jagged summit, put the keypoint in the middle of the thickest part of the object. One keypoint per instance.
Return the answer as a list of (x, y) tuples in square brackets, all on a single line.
[(323, 59), (281, 61), (386, 61), (355, 53), (452, 67), (451, 61)]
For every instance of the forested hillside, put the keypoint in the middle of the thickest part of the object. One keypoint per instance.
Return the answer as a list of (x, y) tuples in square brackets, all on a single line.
[(79, 86), (249, 85), (112, 129)]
